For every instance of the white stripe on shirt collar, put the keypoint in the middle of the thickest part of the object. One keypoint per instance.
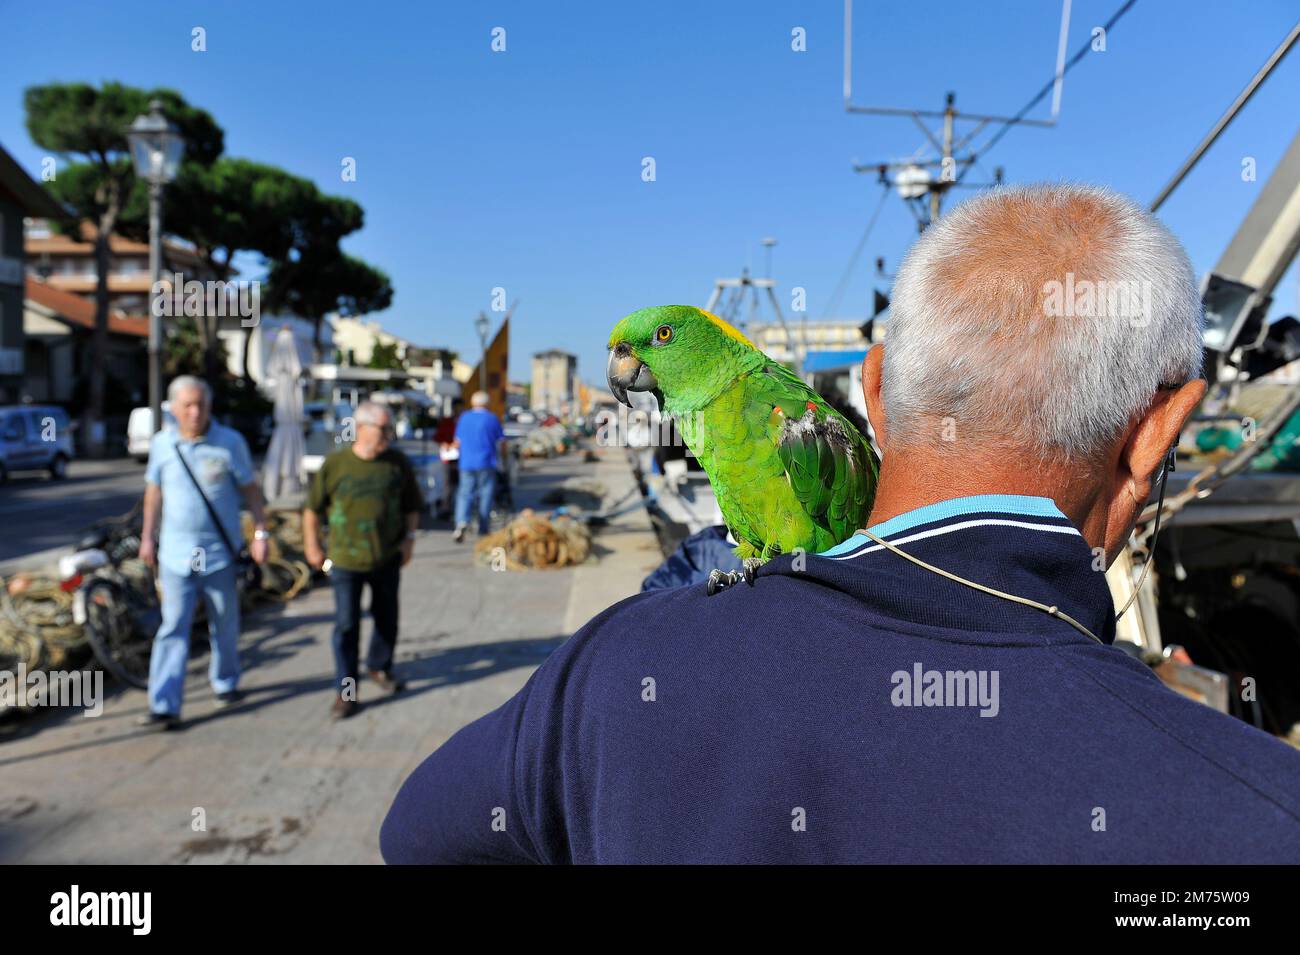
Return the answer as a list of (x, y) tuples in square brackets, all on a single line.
[(937, 531)]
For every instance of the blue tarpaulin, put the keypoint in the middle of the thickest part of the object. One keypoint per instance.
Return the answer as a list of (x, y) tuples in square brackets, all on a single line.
[(818, 361)]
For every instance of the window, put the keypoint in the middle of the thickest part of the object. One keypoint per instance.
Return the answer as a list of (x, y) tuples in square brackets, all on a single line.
[(12, 428)]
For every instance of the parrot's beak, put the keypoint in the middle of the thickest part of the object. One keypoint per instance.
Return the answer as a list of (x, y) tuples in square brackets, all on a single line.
[(627, 373)]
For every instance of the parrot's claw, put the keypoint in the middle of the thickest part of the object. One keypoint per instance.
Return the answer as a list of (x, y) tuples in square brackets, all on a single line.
[(720, 580), (751, 565)]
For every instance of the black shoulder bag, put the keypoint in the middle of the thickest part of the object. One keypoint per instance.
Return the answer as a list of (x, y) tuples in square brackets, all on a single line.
[(247, 570)]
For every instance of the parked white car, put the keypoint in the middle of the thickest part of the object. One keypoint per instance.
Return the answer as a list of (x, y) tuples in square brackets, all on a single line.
[(35, 438), (139, 430)]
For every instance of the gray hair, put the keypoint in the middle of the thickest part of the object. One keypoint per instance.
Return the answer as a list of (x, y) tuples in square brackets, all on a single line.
[(185, 383), (1039, 318), (479, 399), (372, 413)]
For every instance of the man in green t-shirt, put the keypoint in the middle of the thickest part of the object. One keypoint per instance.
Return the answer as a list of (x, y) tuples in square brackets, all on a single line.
[(371, 501)]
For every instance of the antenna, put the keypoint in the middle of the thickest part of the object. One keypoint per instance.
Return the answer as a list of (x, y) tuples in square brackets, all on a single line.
[(922, 183), (731, 295)]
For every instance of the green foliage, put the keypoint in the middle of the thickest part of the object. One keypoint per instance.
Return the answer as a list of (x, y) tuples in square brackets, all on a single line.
[(326, 280), (78, 120), (223, 205), (384, 355), (239, 396), (232, 206), (183, 352)]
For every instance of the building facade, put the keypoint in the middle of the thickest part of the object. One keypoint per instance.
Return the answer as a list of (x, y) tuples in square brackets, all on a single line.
[(58, 349), (21, 196), (555, 378), (67, 263), (797, 337)]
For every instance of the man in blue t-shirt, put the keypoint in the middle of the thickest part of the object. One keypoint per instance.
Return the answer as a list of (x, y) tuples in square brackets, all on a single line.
[(478, 436)]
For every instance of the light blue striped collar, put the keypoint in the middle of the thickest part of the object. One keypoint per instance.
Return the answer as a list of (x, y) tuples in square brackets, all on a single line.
[(1021, 504)]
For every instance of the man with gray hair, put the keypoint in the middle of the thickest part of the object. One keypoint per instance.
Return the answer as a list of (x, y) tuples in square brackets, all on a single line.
[(369, 497), (940, 687), (479, 437), (198, 475)]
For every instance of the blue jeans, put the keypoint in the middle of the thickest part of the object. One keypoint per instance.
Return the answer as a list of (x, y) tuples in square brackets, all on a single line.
[(171, 645), (480, 481), (384, 583)]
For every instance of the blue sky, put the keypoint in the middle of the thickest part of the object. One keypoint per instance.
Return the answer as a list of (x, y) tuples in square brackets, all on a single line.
[(522, 169)]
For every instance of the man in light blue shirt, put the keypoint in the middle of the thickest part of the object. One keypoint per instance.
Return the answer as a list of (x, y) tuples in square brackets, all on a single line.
[(192, 556)]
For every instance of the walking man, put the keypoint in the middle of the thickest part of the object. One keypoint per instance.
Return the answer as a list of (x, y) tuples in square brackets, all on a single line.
[(479, 437), (369, 497), (197, 475)]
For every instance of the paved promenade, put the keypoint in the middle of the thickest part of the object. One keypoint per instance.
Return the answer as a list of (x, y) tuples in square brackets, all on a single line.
[(274, 778)]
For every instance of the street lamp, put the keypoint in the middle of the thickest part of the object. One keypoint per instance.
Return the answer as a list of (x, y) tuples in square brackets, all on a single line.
[(482, 325), (156, 149)]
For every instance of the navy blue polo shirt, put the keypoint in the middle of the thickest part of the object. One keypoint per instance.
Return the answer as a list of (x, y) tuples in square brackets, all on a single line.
[(853, 707)]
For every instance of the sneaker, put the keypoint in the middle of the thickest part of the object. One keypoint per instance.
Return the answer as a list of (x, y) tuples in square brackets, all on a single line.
[(386, 682), (342, 708), (229, 698), (459, 535), (159, 721)]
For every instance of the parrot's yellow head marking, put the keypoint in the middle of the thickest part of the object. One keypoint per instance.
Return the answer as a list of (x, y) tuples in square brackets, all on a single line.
[(726, 328)]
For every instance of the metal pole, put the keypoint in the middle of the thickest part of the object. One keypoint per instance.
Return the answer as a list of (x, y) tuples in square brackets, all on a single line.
[(848, 52), (482, 364), (1242, 98), (155, 316), (945, 164)]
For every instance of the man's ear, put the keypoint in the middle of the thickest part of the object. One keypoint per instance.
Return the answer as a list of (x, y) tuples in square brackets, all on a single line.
[(871, 392), (1158, 429)]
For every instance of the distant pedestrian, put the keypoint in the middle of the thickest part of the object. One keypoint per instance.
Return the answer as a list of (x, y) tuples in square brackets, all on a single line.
[(480, 438), (197, 475), (369, 496), (445, 436)]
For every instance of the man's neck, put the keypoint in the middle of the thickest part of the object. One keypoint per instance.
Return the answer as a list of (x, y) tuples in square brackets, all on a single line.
[(915, 478)]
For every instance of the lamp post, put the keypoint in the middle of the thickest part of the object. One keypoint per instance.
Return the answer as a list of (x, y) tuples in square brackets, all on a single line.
[(767, 247), (482, 325), (156, 150)]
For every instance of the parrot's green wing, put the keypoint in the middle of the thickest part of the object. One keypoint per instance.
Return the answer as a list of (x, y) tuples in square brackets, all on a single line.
[(829, 464)]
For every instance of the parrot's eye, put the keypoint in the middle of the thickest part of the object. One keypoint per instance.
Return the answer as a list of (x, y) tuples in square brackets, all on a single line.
[(663, 334)]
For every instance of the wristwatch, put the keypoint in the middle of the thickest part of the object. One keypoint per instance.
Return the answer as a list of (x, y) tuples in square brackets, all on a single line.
[(261, 534)]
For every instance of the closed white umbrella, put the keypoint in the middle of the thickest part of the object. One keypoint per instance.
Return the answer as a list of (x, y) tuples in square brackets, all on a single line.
[(282, 473)]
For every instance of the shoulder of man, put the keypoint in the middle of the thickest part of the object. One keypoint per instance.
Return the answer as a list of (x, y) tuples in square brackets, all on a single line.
[(1245, 757), (162, 440), (224, 436), (162, 446), (336, 459), (679, 624)]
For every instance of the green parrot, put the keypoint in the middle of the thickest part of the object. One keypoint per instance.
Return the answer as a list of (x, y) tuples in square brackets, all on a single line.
[(788, 470)]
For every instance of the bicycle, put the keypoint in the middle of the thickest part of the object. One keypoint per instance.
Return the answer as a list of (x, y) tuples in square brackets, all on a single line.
[(116, 600)]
